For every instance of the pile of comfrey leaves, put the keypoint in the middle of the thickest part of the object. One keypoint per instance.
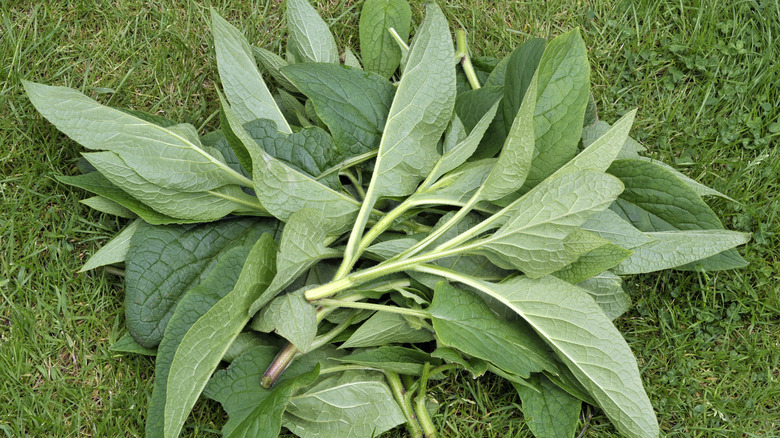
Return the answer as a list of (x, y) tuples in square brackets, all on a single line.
[(364, 226)]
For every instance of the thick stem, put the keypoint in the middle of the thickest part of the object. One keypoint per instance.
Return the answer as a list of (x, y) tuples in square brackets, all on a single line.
[(420, 408), (279, 364), (465, 60), (400, 397)]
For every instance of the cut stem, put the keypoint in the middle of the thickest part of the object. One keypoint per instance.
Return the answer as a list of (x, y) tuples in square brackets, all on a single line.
[(400, 395), (465, 60), (279, 364), (420, 407)]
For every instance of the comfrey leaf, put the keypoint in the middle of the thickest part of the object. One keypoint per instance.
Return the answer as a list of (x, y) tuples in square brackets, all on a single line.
[(310, 39), (380, 52)]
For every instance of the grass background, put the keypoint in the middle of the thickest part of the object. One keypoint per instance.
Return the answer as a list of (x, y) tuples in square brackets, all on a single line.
[(703, 74)]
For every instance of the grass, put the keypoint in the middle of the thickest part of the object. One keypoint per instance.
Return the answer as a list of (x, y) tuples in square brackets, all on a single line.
[(703, 74)]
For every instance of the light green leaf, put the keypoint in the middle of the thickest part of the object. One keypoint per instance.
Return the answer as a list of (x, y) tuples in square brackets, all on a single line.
[(571, 322), (165, 157), (564, 87), (350, 60), (670, 249), (128, 344), (356, 405), (391, 247), (96, 183), (286, 190), (386, 328), (456, 187), (310, 39), (602, 152), (593, 262), (272, 64), (105, 205), (303, 243), (537, 239), (291, 317), (265, 421), (420, 111), (200, 206), (378, 48), (210, 336), (612, 227), (395, 359), (477, 367), (164, 262), (549, 411), (194, 304), (514, 162), (607, 290), (463, 321), (115, 250), (354, 104), (244, 86), (630, 149)]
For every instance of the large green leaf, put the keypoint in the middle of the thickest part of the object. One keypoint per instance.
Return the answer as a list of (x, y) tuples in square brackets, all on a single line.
[(310, 39), (538, 238), (607, 290), (163, 262), (670, 249), (302, 245), (287, 190), (463, 321), (354, 405), (420, 111), (656, 199), (549, 411), (519, 70), (378, 49), (571, 322), (170, 158), (354, 104), (194, 304), (564, 87), (201, 206), (593, 262), (210, 336), (612, 227), (244, 86), (265, 421)]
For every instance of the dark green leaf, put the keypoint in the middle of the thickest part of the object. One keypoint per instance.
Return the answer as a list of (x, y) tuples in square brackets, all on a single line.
[(549, 411)]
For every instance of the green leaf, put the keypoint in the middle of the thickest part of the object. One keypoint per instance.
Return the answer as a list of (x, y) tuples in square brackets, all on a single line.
[(477, 367), (670, 249), (286, 190), (105, 205), (302, 245), (351, 406), (128, 344), (471, 106), (420, 111), (378, 48), (164, 262), (114, 251), (239, 150), (210, 336), (200, 206), (354, 104), (244, 86), (607, 290), (272, 64), (266, 419), (291, 317), (170, 158), (463, 321), (194, 304), (593, 262), (612, 227), (395, 359), (350, 60), (564, 87), (600, 154), (246, 341), (514, 162), (386, 328), (571, 322), (630, 149), (520, 70), (697, 187), (237, 387), (309, 151), (538, 239), (310, 39), (95, 182), (456, 187), (549, 411), (655, 199)]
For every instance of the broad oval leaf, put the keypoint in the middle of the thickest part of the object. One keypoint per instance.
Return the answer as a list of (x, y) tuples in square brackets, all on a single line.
[(378, 49)]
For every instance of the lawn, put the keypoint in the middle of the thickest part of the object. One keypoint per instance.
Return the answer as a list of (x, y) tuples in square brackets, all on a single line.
[(703, 75)]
